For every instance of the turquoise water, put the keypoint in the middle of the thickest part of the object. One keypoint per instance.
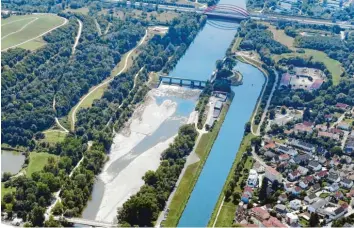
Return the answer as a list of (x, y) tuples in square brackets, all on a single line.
[(213, 176), (198, 63)]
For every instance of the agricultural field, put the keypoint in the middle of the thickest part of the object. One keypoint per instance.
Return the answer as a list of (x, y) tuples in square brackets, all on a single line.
[(25, 31)]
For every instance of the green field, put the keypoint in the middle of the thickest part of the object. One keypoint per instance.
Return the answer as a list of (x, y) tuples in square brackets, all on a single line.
[(332, 65), (16, 30), (54, 136), (37, 161), (191, 175)]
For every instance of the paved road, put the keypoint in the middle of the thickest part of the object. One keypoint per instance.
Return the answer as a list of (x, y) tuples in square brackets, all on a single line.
[(105, 82)]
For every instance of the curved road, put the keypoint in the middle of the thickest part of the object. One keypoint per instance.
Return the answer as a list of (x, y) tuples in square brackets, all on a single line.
[(105, 82)]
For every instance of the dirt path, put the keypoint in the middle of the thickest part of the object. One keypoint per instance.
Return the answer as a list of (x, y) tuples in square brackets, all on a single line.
[(73, 115), (98, 28), (107, 29), (64, 23), (77, 37), (23, 27), (23, 19)]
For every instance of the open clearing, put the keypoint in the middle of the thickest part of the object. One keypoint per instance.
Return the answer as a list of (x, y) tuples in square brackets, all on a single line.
[(25, 31), (54, 136), (37, 161)]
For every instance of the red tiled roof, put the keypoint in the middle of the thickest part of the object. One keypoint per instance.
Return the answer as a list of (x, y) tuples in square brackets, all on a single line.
[(341, 105), (284, 156), (322, 173), (270, 145), (297, 189)]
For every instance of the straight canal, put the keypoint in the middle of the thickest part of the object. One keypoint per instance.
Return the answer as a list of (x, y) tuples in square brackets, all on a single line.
[(198, 63)]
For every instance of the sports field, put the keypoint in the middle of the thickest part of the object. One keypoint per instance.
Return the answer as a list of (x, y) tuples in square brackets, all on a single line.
[(26, 30)]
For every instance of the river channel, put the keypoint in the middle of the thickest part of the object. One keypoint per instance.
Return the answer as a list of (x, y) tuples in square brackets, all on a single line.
[(199, 64), (137, 151)]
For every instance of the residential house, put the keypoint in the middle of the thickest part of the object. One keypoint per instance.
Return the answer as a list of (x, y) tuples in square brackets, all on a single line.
[(315, 166), (311, 198), (333, 187), (252, 180), (333, 177), (270, 145), (292, 218), (303, 171), (302, 128), (293, 176), (289, 187), (273, 222), (247, 194), (344, 126), (346, 183), (321, 127), (321, 174), (346, 159), (283, 198), (272, 175), (269, 155), (336, 214), (284, 157), (336, 131), (296, 191), (342, 106), (317, 205), (260, 213), (302, 159), (286, 150), (280, 208), (295, 204), (303, 183), (349, 145), (326, 134), (308, 147), (328, 117), (322, 160), (338, 195), (316, 187)]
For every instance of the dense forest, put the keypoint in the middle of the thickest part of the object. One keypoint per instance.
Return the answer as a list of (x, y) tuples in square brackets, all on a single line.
[(143, 208), (159, 54), (257, 37), (53, 72)]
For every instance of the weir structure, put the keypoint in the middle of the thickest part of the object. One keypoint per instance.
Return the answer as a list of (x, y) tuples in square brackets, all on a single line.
[(182, 81)]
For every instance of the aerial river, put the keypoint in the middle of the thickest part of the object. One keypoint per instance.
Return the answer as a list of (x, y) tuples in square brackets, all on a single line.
[(138, 148), (198, 63)]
